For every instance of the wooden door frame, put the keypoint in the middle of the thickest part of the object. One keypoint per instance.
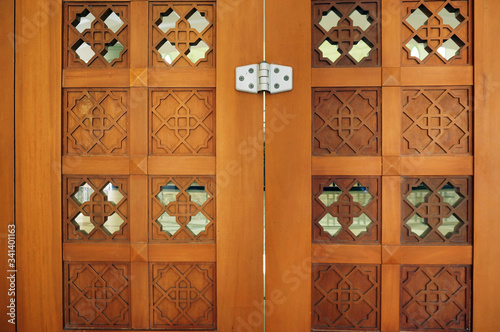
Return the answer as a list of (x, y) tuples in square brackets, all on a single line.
[(38, 167), (288, 248)]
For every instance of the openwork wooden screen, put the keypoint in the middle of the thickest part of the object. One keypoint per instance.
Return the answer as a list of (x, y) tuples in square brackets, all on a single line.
[(138, 165)]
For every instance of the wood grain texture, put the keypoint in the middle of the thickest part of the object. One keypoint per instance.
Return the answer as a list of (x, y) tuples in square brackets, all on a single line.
[(328, 77), (288, 170), (38, 157), (391, 276), (336, 253), (487, 162), (7, 152), (240, 176), (346, 166)]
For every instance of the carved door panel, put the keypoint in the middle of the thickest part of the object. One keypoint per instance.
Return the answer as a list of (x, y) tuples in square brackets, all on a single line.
[(379, 154)]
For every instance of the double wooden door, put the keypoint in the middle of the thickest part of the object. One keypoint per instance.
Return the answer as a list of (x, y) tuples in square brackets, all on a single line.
[(140, 169)]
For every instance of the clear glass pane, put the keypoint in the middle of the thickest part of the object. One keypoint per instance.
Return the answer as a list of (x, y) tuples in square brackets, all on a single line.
[(113, 21), (360, 50), (330, 50), (360, 224), (83, 224), (197, 193), (418, 225), (360, 194), (418, 48), (168, 194), (198, 223), (418, 17), (450, 195), (197, 21), (360, 18), (168, 20), (330, 194), (330, 224), (329, 20), (450, 48), (83, 21), (113, 51), (113, 223), (84, 52), (197, 51), (168, 52), (450, 226), (112, 193), (451, 16), (83, 194), (418, 195), (168, 224)]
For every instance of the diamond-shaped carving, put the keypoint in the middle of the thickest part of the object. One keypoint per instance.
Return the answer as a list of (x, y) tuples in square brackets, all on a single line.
[(198, 223), (112, 51), (168, 51), (451, 16), (83, 21), (112, 193), (450, 195), (83, 224), (418, 225), (168, 20), (330, 224), (360, 224), (330, 194), (168, 224), (113, 224), (360, 50), (450, 226), (84, 51), (361, 18), (197, 51), (330, 19), (330, 50), (360, 194), (197, 193), (418, 48), (168, 193), (451, 48), (419, 195), (83, 194), (198, 21), (418, 17), (112, 20)]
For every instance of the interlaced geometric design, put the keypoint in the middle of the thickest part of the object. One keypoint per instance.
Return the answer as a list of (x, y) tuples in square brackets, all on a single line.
[(183, 211), (182, 122), (183, 296), (347, 35), (345, 297), (95, 122), (350, 205), (346, 121), (442, 35), (437, 121), (183, 35), (442, 215), (101, 43), (97, 295), (100, 211), (436, 298)]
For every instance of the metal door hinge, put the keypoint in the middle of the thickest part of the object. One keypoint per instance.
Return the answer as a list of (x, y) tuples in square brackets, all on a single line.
[(264, 77)]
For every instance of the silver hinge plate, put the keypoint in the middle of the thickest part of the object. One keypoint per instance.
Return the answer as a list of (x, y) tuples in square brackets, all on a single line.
[(264, 77)]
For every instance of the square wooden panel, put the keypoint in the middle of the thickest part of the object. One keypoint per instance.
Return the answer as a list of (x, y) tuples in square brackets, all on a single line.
[(346, 121), (95, 208), (436, 298), (345, 297), (437, 121), (182, 208), (95, 121), (437, 210), (346, 33), (346, 209), (437, 32), (183, 296), (182, 122), (182, 34), (97, 295), (96, 35)]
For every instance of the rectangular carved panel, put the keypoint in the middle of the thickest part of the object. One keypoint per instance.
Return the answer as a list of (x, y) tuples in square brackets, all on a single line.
[(95, 208), (182, 34), (97, 295), (95, 121), (436, 298), (96, 35), (183, 296), (346, 209), (346, 122), (182, 122), (437, 210), (437, 32), (437, 120), (182, 208), (345, 297), (346, 33)]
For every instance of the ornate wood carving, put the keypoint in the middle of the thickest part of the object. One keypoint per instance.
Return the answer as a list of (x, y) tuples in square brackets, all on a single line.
[(96, 208), (443, 24), (437, 121), (183, 296), (93, 28), (346, 121), (178, 38), (436, 298), (346, 209), (336, 26), (182, 122), (345, 297), (437, 210), (95, 121), (97, 295), (183, 208)]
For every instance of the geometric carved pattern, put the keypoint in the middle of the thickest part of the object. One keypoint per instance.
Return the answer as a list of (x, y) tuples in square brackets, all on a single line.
[(345, 297), (96, 35), (95, 122), (182, 122), (182, 35), (437, 32), (183, 209), (346, 33), (183, 296), (437, 210), (346, 209), (97, 295), (436, 298), (437, 121), (346, 121), (104, 209)]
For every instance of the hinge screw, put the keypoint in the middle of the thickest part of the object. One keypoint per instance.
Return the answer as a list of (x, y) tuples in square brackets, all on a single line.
[(276, 86), (250, 70), (251, 85), (276, 70), (286, 78), (242, 78)]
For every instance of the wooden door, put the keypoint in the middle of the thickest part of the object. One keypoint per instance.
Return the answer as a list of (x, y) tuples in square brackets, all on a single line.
[(135, 208), (380, 202)]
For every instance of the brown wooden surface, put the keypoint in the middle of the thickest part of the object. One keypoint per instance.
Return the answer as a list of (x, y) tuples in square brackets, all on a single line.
[(38, 160), (7, 150)]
